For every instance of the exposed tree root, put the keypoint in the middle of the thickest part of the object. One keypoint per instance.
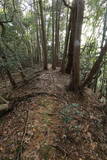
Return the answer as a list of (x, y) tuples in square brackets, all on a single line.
[(25, 97), (13, 102)]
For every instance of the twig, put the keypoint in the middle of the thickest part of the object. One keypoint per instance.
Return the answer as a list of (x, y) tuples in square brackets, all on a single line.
[(68, 6), (61, 149), (18, 157)]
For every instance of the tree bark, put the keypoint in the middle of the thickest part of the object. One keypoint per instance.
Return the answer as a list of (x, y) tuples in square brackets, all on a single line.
[(77, 19), (66, 44), (57, 26), (95, 67), (12, 81), (37, 35), (70, 49), (44, 41), (53, 35)]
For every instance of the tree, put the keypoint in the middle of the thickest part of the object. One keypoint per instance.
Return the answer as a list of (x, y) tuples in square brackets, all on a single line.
[(68, 29), (37, 39), (4, 58), (75, 38), (56, 12), (44, 40), (71, 45), (53, 35), (57, 30), (96, 66)]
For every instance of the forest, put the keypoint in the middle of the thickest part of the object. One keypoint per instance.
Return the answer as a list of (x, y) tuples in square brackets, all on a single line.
[(53, 80)]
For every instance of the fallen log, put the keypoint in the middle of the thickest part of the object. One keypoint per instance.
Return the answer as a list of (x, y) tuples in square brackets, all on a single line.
[(3, 99), (5, 107)]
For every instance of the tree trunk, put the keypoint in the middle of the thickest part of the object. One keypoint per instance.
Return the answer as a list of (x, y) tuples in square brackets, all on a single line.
[(70, 45), (77, 19), (57, 26), (44, 42), (37, 47), (95, 67), (53, 36), (12, 81), (66, 44), (70, 54)]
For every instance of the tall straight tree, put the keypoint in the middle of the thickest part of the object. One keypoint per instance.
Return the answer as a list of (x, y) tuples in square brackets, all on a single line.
[(67, 44), (56, 12), (57, 29), (70, 45), (77, 19), (37, 34), (53, 35), (44, 40)]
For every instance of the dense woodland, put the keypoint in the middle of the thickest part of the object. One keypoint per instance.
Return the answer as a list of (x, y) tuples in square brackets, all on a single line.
[(54, 49)]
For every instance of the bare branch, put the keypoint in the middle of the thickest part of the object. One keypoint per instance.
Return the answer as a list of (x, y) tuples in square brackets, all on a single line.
[(67, 5), (2, 22), (4, 9), (3, 28)]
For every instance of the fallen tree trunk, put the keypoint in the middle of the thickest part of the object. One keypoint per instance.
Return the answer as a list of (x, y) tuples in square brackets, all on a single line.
[(5, 107), (3, 99)]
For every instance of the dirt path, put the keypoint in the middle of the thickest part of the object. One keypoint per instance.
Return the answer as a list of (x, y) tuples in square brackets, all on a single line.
[(45, 123), (61, 126), (30, 133)]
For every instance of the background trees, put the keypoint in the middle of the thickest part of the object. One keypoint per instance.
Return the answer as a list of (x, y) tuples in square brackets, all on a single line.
[(42, 32)]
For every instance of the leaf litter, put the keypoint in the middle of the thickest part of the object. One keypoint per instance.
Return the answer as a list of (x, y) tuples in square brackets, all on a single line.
[(61, 127)]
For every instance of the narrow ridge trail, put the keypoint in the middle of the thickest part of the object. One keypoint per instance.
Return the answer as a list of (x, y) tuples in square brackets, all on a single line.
[(57, 125)]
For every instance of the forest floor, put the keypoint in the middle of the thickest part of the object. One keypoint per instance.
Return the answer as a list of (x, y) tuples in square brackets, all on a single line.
[(49, 123)]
